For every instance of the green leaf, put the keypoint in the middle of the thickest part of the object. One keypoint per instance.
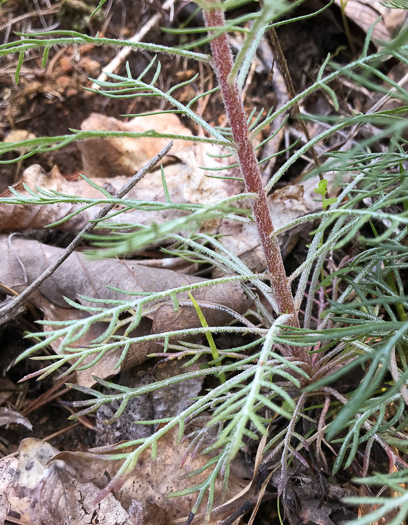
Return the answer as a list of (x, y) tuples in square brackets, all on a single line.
[(396, 4), (101, 3), (208, 335)]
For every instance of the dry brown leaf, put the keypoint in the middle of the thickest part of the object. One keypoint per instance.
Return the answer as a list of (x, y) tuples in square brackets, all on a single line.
[(22, 217), (44, 487), (109, 161), (186, 181), (8, 416), (24, 260), (104, 367), (154, 481), (365, 12), (107, 157), (185, 185), (43, 493)]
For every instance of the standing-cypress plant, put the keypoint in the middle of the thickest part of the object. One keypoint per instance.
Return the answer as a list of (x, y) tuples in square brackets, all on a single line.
[(281, 385), (248, 163)]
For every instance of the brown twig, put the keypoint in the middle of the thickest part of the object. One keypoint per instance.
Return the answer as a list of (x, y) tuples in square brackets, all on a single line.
[(271, 148), (52, 393), (283, 67), (14, 306), (46, 11)]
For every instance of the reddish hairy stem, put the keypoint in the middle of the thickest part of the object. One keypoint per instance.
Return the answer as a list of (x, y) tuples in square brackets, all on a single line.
[(223, 62)]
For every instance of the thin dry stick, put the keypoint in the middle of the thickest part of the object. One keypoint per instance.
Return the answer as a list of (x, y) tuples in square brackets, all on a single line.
[(283, 67), (51, 394), (115, 64), (378, 105), (12, 308), (271, 148), (46, 11)]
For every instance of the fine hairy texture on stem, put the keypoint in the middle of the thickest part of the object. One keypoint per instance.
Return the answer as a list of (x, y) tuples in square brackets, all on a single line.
[(223, 63)]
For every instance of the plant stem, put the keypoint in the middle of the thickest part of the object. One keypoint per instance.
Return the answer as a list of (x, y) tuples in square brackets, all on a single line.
[(223, 63)]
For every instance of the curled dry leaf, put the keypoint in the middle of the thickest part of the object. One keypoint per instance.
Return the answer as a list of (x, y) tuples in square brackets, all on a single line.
[(365, 13), (24, 260), (107, 157), (43, 493), (186, 184), (186, 181), (8, 416), (22, 217), (45, 487)]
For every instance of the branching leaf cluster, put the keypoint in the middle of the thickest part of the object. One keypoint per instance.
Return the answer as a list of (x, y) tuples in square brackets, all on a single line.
[(364, 297)]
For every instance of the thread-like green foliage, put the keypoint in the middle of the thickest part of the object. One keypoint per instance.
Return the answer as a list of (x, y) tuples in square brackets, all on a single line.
[(360, 323)]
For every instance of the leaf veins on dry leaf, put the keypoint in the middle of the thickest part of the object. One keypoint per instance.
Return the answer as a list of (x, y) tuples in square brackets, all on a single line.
[(45, 487), (24, 260)]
